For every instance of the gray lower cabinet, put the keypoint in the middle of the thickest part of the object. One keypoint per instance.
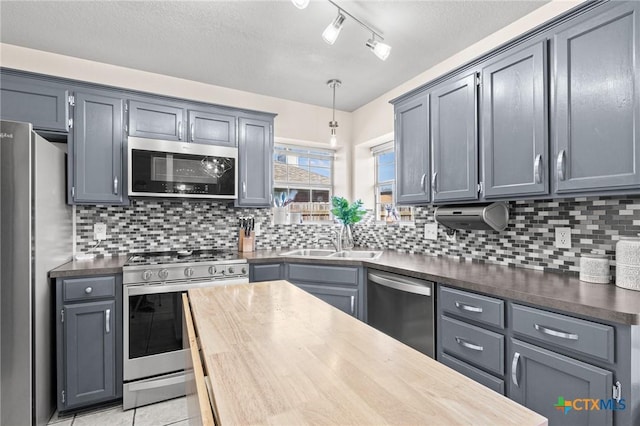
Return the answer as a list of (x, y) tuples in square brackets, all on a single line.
[(541, 380), (44, 104), (89, 341), (454, 139), (212, 128), (157, 121), (413, 160), (340, 286), (97, 145), (255, 161), (266, 272), (514, 117), (597, 102)]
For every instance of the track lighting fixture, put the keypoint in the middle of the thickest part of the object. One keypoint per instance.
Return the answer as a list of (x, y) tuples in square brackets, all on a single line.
[(331, 33), (300, 4), (380, 49), (333, 124)]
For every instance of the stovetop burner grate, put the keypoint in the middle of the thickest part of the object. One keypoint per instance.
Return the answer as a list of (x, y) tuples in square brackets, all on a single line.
[(169, 257)]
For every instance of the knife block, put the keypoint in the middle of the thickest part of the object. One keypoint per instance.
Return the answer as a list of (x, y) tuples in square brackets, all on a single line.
[(246, 244)]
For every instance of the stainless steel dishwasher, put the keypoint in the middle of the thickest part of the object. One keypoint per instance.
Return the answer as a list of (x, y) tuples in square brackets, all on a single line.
[(403, 308)]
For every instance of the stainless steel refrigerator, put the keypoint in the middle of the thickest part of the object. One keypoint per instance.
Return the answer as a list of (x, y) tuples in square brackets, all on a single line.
[(35, 237)]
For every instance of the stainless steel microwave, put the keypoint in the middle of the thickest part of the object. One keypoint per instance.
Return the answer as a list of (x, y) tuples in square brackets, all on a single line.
[(158, 168)]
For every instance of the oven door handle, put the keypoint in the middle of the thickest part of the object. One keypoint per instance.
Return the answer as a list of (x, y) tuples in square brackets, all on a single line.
[(135, 290)]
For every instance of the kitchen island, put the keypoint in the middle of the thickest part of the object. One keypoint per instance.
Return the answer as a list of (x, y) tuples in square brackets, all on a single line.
[(275, 354)]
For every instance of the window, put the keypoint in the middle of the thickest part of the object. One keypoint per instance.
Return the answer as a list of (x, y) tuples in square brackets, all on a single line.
[(385, 186), (304, 176)]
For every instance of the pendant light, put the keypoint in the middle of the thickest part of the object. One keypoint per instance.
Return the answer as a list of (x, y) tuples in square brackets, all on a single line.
[(300, 4), (333, 124)]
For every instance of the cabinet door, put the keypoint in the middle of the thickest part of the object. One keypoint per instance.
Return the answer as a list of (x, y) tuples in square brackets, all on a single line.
[(154, 121), (597, 102), (345, 299), (541, 380), (213, 129), (98, 137), (90, 352), (44, 105), (454, 138), (255, 152), (514, 124), (412, 150)]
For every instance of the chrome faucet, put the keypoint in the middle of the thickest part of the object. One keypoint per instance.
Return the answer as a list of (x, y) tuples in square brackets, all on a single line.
[(336, 241)]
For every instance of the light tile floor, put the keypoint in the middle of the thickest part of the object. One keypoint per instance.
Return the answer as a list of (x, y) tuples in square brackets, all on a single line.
[(172, 412)]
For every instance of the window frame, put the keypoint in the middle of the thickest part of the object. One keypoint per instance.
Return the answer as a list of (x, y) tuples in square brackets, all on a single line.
[(377, 152)]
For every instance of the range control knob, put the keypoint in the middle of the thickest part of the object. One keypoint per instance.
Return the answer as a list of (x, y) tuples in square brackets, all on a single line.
[(163, 274), (244, 270), (212, 270), (231, 270), (188, 272), (146, 275)]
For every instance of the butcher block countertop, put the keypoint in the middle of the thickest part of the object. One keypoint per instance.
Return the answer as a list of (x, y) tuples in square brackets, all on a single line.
[(275, 354)]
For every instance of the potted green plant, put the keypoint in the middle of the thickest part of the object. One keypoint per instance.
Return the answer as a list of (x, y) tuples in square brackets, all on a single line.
[(347, 214)]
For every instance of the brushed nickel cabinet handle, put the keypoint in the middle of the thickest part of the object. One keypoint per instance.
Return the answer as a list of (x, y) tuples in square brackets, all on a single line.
[(115, 185), (537, 169), (180, 130), (193, 128), (353, 302), (560, 165), (107, 321), (555, 333), (422, 182), (514, 368), (464, 343), (244, 188), (434, 182), (468, 308)]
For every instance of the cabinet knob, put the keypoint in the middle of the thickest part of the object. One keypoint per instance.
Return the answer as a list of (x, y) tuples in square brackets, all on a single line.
[(88, 290), (188, 272)]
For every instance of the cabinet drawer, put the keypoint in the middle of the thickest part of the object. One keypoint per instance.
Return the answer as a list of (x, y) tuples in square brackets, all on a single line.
[(578, 335), (473, 344), (268, 272), (473, 373), (88, 288), (323, 274), (478, 308)]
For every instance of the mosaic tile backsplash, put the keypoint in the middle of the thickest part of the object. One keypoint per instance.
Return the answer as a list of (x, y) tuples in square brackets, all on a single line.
[(597, 224)]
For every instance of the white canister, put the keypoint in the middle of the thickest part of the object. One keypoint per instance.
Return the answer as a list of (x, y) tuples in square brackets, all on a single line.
[(594, 268), (279, 215), (628, 263)]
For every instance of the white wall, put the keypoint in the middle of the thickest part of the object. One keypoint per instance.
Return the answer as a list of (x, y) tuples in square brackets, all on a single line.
[(373, 122), (296, 122)]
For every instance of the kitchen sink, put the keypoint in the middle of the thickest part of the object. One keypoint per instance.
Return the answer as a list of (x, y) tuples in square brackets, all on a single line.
[(308, 253), (360, 254)]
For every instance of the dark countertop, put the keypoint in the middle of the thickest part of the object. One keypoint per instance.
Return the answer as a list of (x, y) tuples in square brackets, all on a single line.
[(546, 289)]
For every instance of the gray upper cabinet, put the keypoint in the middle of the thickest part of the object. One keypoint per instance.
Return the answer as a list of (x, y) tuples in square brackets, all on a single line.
[(454, 138), (44, 104), (97, 144), (255, 152), (412, 150), (212, 128), (597, 102), (539, 377), (157, 121), (514, 123)]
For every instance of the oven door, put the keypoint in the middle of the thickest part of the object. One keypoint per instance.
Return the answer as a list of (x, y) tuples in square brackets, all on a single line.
[(153, 340), (159, 168)]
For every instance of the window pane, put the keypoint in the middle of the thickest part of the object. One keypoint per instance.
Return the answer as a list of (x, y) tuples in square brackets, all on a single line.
[(279, 157), (318, 162), (301, 195), (320, 175), (297, 174), (320, 196), (386, 172), (302, 161), (388, 157), (279, 172)]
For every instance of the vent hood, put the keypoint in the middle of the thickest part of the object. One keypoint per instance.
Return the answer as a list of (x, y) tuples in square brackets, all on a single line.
[(492, 217)]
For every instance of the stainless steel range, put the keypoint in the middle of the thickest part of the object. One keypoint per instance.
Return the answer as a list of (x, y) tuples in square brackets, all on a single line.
[(154, 347)]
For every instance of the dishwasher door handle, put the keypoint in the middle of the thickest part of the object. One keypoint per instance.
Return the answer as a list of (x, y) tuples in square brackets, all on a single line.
[(400, 284)]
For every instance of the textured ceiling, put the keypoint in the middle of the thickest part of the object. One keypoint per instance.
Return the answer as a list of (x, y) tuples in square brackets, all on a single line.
[(266, 47)]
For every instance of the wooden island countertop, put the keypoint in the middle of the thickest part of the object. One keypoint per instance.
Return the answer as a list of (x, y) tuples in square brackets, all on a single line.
[(275, 354)]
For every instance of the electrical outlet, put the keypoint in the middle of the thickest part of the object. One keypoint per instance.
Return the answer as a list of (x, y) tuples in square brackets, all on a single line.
[(430, 231), (256, 228), (563, 238), (99, 231)]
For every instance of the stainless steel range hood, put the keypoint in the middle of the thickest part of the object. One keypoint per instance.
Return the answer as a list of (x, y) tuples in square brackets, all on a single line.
[(492, 217)]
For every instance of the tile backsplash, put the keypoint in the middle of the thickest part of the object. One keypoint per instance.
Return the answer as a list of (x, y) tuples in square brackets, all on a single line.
[(529, 240), (596, 222)]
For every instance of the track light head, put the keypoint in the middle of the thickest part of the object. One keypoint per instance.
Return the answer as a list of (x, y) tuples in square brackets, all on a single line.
[(330, 34), (380, 49), (300, 4)]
